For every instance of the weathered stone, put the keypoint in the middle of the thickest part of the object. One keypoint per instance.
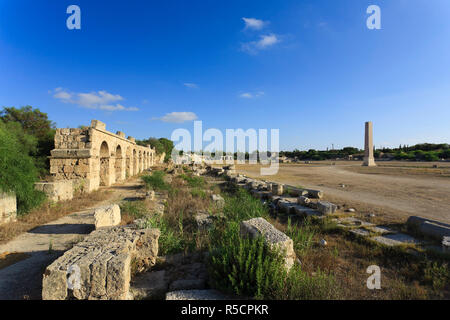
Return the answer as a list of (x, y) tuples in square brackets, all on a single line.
[(8, 208), (303, 200), (218, 201), (204, 220), (429, 227), (396, 239), (360, 232), (149, 285), (107, 216), (326, 208), (315, 194), (274, 238), (277, 189), (196, 295), (57, 190)]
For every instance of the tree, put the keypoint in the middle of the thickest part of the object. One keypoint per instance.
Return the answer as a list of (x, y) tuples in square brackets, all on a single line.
[(17, 170), (35, 124)]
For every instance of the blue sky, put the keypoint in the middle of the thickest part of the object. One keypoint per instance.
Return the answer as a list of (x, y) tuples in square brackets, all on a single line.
[(309, 68)]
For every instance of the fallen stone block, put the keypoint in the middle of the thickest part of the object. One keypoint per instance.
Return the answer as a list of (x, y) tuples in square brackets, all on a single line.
[(305, 211), (277, 189), (273, 237), (360, 232), (315, 194), (219, 202), (107, 216), (396, 239), (99, 267), (432, 228), (326, 208), (286, 204), (303, 200)]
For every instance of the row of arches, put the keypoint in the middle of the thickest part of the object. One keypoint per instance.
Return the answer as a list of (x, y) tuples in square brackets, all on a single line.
[(119, 163)]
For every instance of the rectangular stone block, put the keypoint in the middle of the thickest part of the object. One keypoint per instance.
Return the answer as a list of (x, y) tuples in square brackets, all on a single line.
[(273, 237), (326, 208), (8, 208)]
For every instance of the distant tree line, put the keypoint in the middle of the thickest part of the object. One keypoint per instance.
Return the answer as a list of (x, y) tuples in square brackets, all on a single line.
[(161, 145)]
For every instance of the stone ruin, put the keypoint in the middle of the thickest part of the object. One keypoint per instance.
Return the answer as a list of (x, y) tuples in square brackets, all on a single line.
[(92, 157), (8, 208)]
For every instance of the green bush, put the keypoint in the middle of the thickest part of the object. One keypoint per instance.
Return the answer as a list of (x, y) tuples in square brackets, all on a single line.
[(193, 182), (245, 267), (242, 206), (250, 268), (156, 181), (17, 170), (172, 238)]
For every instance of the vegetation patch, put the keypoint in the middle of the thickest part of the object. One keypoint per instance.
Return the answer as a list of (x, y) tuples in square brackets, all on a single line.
[(156, 181)]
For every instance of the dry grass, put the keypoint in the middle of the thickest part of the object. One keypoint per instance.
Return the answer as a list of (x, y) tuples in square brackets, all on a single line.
[(49, 212)]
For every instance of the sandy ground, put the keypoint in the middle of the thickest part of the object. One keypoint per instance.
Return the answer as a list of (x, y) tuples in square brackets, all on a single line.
[(23, 279), (397, 189)]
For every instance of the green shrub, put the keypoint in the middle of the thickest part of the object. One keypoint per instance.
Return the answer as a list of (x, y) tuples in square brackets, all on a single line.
[(136, 209), (437, 275), (171, 239), (242, 206), (250, 268), (245, 267), (18, 172), (156, 181), (301, 236), (198, 193)]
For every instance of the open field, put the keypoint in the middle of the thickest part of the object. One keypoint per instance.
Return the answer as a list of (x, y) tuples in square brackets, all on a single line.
[(393, 190)]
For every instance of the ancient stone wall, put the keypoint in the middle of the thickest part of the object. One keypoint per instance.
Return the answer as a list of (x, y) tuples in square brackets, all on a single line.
[(95, 157), (8, 208)]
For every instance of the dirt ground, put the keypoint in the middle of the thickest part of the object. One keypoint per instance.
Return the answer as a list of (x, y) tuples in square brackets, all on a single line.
[(395, 189)]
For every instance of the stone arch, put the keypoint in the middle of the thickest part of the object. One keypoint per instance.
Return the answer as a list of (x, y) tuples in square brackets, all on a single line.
[(104, 156), (118, 168), (128, 163), (135, 167)]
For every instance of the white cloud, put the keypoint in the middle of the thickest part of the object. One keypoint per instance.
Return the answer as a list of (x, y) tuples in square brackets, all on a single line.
[(249, 95), (190, 85), (254, 24), (101, 100), (265, 42), (178, 117)]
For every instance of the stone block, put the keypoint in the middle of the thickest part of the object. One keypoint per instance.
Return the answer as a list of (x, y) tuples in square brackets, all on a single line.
[(218, 201), (274, 238), (277, 189), (326, 208), (98, 125), (107, 216), (8, 208), (103, 263)]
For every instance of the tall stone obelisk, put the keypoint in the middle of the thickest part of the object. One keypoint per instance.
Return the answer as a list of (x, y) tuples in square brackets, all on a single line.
[(369, 161)]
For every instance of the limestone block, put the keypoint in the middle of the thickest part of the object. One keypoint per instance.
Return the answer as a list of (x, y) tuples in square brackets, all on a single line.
[(326, 207), (277, 189), (103, 264), (303, 200), (8, 208), (98, 125), (429, 227), (107, 216), (219, 202), (274, 238)]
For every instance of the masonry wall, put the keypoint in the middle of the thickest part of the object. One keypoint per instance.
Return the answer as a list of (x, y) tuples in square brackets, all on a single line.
[(8, 208), (95, 157)]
